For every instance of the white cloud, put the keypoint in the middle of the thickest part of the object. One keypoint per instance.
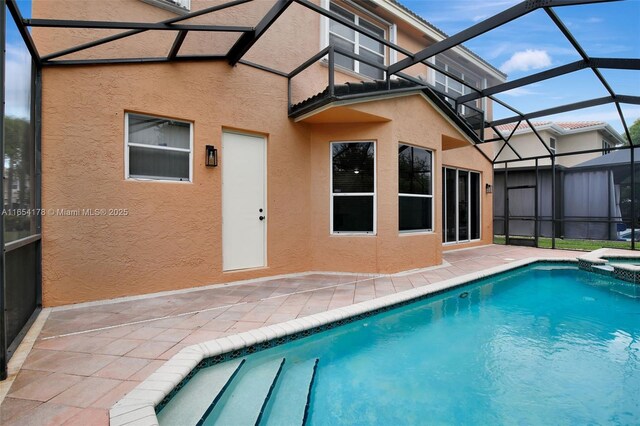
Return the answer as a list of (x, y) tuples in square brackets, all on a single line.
[(520, 91), (496, 50), (526, 60)]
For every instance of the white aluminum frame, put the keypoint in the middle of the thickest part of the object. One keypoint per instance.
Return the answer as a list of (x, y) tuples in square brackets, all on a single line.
[(400, 194), (354, 194), (127, 144), (444, 206)]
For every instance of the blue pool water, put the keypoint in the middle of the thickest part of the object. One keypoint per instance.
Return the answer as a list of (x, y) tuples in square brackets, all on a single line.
[(540, 345), (628, 260)]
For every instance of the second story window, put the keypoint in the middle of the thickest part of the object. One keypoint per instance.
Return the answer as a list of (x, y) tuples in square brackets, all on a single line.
[(176, 6), (449, 86), (348, 39), (552, 145), (606, 146)]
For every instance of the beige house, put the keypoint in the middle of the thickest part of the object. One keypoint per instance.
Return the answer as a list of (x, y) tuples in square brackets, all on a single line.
[(560, 137), (202, 172)]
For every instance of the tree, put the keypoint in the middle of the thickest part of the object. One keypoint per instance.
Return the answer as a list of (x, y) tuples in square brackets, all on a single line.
[(634, 130)]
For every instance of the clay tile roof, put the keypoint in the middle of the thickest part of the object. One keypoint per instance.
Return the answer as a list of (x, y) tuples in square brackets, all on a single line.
[(567, 125), (509, 127), (572, 125)]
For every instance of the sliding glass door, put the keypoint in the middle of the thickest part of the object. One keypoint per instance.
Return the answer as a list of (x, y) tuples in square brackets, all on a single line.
[(460, 205)]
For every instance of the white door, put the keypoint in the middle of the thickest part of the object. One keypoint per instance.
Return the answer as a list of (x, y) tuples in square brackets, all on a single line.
[(243, 201)]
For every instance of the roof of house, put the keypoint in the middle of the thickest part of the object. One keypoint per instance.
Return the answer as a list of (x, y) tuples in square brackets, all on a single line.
[(562, 128), (619, 157), (445, 35), (363, 90)]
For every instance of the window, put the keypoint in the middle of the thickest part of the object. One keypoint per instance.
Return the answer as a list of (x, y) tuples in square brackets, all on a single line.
[(176, 6), (353, 185), (461, 205), (449, 86), (158, 148), (552, 145), (415, 188), (360, 44), (606, 146)]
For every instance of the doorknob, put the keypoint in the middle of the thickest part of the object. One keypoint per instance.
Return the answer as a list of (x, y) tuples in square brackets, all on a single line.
[(261, 217)]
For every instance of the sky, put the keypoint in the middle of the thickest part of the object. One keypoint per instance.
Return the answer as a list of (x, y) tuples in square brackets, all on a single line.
[(533, 43), (525, 46), (17, 68)]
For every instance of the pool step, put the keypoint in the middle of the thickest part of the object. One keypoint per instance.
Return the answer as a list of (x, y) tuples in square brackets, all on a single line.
[(602, 269), (189, 405), (290, 401), (244, 401)]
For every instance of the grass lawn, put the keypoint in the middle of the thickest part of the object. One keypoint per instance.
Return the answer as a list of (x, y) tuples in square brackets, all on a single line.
[(585, 245)]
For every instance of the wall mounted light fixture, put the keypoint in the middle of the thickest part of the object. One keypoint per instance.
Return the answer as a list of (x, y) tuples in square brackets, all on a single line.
[(488, 188), (212, 156)]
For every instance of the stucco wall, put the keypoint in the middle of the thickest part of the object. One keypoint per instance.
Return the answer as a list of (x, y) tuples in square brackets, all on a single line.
[(171, 236), (528, 145), (580, 142), (414, 122)]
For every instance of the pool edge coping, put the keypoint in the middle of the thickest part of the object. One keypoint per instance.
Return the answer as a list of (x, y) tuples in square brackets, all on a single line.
[(139, 404)]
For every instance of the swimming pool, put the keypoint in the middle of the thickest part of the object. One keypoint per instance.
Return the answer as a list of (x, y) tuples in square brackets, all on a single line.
[(539, 345), (625, 260)]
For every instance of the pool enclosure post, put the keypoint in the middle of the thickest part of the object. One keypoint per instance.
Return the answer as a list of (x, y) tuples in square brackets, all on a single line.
[(553, 202), (536, 231), (3, 323), (506, 203), (633, 195), (37, 151)]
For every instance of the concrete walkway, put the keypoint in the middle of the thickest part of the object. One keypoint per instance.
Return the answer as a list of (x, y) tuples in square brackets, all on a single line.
[(86, 358)]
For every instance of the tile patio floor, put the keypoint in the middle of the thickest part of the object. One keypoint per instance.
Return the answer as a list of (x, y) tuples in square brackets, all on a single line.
[(87, 358)]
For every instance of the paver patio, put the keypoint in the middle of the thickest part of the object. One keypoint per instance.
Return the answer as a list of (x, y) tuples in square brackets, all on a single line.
[(87, 358)]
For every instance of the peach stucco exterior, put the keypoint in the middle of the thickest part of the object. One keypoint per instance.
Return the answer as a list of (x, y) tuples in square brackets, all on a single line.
[(171, 236)]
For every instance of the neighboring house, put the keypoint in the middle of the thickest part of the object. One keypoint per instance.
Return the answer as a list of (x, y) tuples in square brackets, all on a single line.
[(588, 186), (560, 138), (376, 184)]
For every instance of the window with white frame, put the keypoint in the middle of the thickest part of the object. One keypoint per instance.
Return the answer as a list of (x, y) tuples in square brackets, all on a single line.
[(353, 184), (606, 146), (360, 44), (552, 145), (415, 189), (461, 212), (176, 6), (158, 148), (450, 86)]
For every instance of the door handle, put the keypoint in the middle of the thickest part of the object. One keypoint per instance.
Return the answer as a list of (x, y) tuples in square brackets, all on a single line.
[(261, 217)]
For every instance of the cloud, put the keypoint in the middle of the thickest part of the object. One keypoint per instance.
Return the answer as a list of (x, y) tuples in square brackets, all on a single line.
[(520, 91), (529, 59), (497, 49)]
